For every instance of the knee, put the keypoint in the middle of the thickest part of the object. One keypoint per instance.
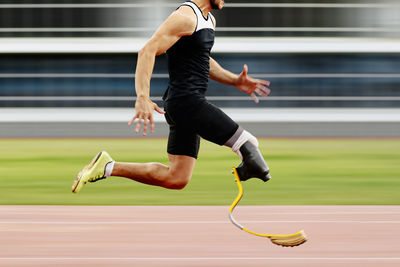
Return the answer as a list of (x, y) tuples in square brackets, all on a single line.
[(251, 138), (244, 137), (177, 182)]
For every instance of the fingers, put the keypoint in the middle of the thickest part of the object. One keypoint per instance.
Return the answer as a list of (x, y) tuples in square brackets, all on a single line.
[(262, 90), (254, 97), (152, 124), (264, 82), (245, 69), (138, 124), (132, 120), (145, 122), (158, 109), (146, 119), (144, 115)]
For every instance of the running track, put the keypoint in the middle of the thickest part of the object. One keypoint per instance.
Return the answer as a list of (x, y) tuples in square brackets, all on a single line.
[(197, 236)]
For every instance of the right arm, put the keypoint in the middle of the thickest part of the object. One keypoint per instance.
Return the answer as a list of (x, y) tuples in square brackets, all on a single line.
[(180, 23)]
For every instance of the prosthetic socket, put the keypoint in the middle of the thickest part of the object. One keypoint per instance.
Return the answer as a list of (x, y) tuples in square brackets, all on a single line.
[(253, 164)]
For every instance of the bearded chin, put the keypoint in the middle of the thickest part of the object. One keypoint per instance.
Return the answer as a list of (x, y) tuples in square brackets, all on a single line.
[(214, 5)]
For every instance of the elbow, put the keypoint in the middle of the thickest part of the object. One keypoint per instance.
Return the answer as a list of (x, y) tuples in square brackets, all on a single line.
[(147, 51), (142, 52)]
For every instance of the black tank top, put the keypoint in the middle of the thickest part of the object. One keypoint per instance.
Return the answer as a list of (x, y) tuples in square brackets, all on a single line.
[(189, 59)]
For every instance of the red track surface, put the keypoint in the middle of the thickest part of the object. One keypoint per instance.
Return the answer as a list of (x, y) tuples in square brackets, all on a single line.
[(197, 236)]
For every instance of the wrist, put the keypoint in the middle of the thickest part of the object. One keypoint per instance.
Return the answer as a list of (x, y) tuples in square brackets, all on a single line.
[(143, 97), (236, 80)]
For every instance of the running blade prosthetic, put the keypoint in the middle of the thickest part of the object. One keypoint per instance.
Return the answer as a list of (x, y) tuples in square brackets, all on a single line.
[(253, 164), (281, 240)]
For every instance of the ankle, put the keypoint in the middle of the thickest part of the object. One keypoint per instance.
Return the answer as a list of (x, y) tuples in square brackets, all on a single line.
[(109, 169)]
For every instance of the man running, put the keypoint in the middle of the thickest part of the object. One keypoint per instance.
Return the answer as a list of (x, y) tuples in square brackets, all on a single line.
[(187, 37)]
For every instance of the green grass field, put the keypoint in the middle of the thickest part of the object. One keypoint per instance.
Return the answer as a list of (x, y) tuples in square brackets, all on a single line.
[(304, 172)]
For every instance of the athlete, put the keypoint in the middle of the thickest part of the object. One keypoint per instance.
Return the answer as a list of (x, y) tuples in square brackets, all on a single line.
[(187, 37)]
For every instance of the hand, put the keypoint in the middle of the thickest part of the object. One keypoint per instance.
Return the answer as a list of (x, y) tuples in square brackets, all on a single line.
[(252, 86), (144, 108)]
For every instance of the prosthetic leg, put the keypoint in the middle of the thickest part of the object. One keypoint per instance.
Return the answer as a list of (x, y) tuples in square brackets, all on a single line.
[(253, 164), (281, 240)]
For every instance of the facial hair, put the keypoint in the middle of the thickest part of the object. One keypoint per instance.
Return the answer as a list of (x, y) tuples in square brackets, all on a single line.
[(214, 5)]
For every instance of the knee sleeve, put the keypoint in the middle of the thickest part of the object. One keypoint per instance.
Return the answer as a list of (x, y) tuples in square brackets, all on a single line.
[(243, 138)]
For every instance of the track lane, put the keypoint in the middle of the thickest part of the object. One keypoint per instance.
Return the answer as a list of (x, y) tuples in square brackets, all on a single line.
[(197, 236)]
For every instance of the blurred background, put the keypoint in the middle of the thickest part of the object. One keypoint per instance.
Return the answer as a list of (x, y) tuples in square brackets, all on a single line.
[(67, 67), (67, 70)]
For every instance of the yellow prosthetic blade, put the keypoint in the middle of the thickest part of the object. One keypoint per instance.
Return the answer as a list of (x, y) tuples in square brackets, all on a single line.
[(282, 240)]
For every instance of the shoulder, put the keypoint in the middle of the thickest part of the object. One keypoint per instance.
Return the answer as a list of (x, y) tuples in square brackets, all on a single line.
[(186, 14), (183, 19)]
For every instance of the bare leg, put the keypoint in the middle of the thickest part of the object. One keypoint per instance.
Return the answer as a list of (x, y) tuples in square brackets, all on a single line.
[(174, 176)]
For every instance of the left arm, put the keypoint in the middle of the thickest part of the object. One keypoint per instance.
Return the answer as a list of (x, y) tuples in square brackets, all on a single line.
[(242, 81), (219, 74)]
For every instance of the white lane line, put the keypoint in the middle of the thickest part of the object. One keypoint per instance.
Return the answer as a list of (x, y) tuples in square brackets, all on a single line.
[(333, 213), (204, 259), (337, 213), (193, 222), (243, 208)]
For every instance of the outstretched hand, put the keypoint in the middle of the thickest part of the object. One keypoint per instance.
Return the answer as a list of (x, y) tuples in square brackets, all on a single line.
[(144, 108), (252, 86)]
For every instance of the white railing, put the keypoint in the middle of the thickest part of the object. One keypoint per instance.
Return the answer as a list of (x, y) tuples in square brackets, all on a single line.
[(227, 5), (123, 115), (218, 29), (211, 98), (165, 75), (222, 45), (385, 5)]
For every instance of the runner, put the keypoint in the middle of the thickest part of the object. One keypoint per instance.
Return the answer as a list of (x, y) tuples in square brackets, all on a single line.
[(187, 37)]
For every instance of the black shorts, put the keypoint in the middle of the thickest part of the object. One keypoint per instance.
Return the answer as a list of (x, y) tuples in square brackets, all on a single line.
[(190, 118)]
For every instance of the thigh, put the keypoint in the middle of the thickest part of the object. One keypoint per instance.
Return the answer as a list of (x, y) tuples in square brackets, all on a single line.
[(213, 124), (183, 141), (197, 116)]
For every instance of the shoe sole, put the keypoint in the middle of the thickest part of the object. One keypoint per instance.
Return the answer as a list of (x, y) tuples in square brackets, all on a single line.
[(80, 174)]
